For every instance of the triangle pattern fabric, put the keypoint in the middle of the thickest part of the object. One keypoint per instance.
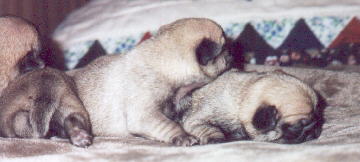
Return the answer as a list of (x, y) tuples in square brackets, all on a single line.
[(75, 53), (120, 44), (327, 28), (145, 37), (234, 29), (301, 38), (96, 50), (274, 31), (250, 41), (350, 34)]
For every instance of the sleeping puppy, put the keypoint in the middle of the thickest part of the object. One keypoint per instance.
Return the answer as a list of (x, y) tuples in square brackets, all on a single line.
[(271, 106), (19, 43), (41, 103), (124, 94)]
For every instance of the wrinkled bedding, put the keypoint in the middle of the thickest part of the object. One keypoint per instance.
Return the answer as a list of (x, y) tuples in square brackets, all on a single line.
[(339, 141)]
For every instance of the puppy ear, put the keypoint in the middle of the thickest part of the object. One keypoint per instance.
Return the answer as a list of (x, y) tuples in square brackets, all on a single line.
[(30, 62), (207, 50), (265, 118), (164, 28)]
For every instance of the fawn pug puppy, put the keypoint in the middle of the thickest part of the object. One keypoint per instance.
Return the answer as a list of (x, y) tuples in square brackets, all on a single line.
[(270, 106), (124, 94), (19, 43), (42, 102), (36, 103)]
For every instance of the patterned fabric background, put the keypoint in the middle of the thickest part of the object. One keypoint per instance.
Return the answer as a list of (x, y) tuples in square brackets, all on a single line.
[(284, 42)]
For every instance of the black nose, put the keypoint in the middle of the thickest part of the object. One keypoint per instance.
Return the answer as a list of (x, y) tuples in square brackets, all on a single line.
[(303, 130)]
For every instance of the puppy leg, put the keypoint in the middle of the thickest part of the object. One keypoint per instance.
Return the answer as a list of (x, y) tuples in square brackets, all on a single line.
[(196, 124), (9, 110), (6, 125), (73, 117), (77, 129), (204, 131), (159, 127), (27, 119), (185, 90), (22, 125)]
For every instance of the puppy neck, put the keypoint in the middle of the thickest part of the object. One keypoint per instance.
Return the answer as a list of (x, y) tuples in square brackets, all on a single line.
[(169, 60), (178, 110)]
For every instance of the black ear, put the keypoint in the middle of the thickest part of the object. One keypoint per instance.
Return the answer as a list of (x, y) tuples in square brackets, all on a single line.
[(265, 118), (30, 62), (207, 50)]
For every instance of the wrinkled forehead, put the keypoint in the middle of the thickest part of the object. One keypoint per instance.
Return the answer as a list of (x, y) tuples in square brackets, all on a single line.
[(293, 112), (298, 107)]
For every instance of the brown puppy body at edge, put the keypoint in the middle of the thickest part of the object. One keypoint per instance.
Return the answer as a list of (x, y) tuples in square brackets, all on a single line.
[(42, 103), (19, 40)]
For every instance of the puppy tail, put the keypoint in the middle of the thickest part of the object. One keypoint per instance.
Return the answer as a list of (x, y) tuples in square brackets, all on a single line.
[(40, 117)]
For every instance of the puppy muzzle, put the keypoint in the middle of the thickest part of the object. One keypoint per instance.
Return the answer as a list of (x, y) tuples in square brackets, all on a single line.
[(301, 131)]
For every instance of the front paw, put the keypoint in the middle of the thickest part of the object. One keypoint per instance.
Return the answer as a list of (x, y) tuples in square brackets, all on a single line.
[(185, 140), (214, 138), (81, 138)]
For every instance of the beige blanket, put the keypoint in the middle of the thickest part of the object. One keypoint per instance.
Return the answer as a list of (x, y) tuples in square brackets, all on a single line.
[(339, 141)]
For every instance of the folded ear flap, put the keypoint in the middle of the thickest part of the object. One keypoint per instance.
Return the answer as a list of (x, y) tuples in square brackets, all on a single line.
[(30, 62), (164, 28), (207, 50), (265, 118)]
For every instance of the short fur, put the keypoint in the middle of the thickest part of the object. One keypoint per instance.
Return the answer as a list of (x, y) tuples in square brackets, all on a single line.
[(42, 102), (124, 94), (18, 38), (269, 106)]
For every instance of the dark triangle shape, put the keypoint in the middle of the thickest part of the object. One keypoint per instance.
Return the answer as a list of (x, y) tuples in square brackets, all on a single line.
[(250, 41), (300, 38), (96, 50)]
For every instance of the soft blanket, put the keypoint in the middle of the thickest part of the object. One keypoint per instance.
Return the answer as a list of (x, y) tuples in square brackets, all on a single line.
[(339, 140)]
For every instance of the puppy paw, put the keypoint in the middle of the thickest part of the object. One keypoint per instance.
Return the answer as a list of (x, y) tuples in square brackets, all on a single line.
[(211, 140), (214, 138), (185, 140), (81, 138)]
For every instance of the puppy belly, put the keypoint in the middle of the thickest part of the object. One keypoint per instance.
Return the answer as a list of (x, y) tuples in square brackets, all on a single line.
[(110, 128), (108, 121)]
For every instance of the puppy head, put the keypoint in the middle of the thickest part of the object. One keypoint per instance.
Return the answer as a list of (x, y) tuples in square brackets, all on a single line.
[(201, 42), (284, 110), (30, 62), (18, 37)]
